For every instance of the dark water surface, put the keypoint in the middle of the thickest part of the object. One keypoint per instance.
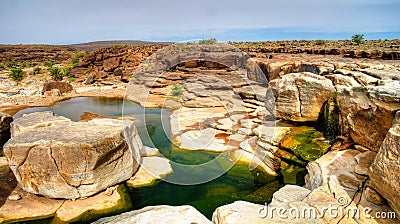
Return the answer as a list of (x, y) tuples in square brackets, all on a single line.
[(239, 183)]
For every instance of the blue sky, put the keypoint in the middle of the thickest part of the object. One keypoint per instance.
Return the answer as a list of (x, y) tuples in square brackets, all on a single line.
[(75, 21)]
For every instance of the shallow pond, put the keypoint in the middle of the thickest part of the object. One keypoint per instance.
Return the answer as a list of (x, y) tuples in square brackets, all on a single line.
[(239, 183)]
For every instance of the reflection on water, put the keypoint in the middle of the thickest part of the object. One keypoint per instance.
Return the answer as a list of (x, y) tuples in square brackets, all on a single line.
[(239, 183)]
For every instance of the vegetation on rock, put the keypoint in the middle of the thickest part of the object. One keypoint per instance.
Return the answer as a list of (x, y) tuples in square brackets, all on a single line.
[(208, 41), (17, 74), (58, 73), (177, 90), (306, 143), (48, 64), (76, 59), (37, 70)]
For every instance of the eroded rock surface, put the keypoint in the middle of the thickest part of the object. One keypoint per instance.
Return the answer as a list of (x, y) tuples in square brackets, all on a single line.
[(159, 214), (385, 170), (367, 113), (73, 159), (300, 96), (63, 87), (151, 169), (30, 122)]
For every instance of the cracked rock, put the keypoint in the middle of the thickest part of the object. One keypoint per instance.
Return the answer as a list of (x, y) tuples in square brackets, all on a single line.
[(301, 96), (73, 159)]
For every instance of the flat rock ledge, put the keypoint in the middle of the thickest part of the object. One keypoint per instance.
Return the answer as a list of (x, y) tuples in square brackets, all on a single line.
[(152, 168), (72, 159), (158, 214)]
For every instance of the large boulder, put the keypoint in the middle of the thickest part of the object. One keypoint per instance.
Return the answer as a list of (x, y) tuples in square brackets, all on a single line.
[(158, 214), (301, 96), (111, 63), (366, 113), (74, 159), (384, 172), (333, 168), (62, 86), (29, 122)]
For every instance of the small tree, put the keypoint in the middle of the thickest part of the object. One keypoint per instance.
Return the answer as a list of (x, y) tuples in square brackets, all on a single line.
[(55, 72), (17, 74), (358, 38), (319, 42)]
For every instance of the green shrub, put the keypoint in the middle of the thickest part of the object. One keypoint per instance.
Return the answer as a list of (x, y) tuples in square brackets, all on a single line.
[(55, 72), (58, 73), (319, 42), (76, 59), (17, 74), (358, 38), (49, 64), (71, 79), (177, 90), (170, 70), (37, 70), (23, 64), (2, 67), (208, 41), (32, 64), (65, 70), (10, 64)]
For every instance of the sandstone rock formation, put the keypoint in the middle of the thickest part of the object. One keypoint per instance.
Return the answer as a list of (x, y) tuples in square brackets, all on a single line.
[(385, 169), (366, 113), (73, 159), (29, 207), (379, 49), (115, 199), (158, 214), (32, 121), (300, 96), (62, 86), (152, 168)]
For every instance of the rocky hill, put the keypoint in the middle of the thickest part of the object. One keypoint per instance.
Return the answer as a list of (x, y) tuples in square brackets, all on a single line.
[(92, 46), (34, 53), (375, 49)]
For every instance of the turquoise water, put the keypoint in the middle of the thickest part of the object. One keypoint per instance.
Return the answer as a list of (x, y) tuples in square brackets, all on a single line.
[(239, 183)]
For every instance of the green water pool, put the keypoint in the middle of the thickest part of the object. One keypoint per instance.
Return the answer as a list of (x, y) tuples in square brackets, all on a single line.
[(239, 183)]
